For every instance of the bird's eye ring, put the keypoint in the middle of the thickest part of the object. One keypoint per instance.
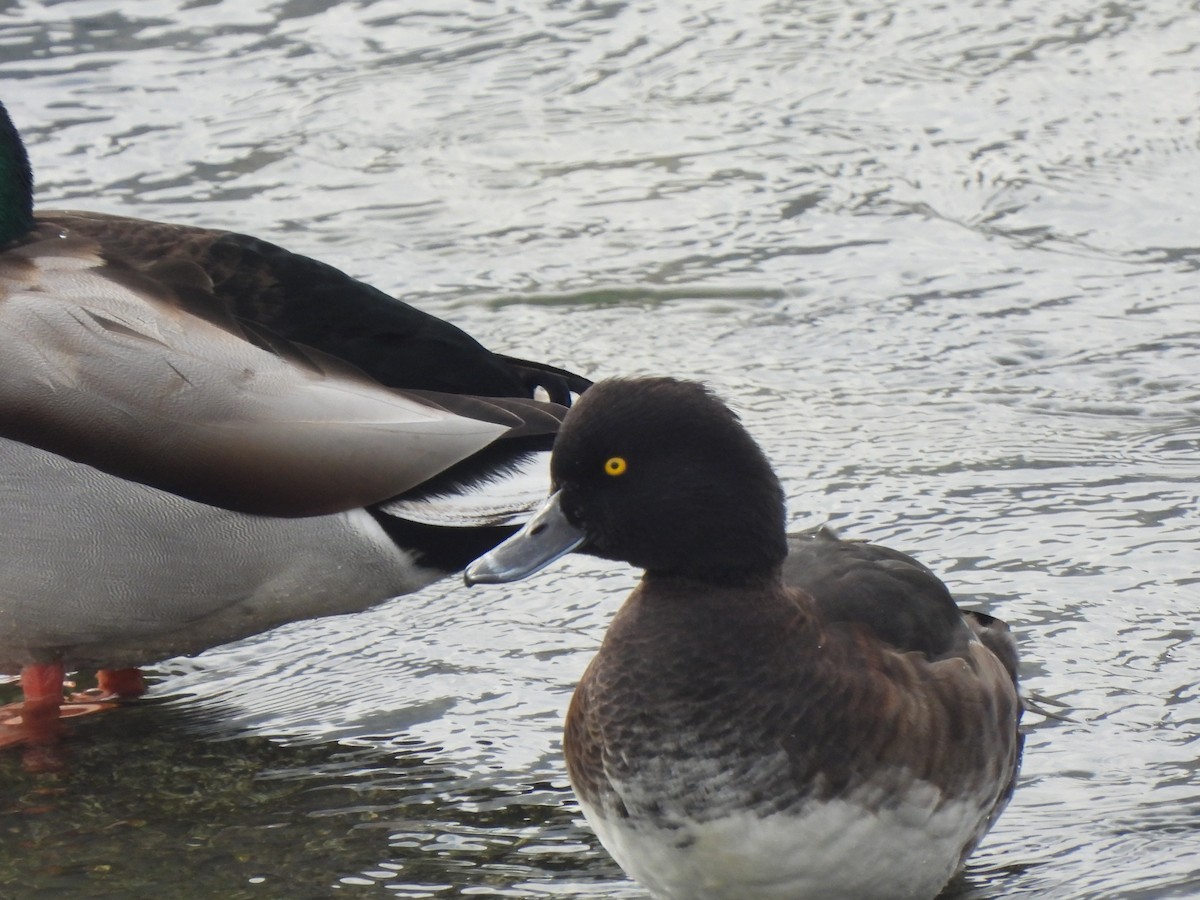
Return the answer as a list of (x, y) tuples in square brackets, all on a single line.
[(615, 465)]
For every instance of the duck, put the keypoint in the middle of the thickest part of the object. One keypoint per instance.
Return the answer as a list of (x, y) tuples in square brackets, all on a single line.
[(204, 436), (770, 716)]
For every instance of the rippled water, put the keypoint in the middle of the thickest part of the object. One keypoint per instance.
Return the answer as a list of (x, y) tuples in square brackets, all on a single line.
[(942, 257)]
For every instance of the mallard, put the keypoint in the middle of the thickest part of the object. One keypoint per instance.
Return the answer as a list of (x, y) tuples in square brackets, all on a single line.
[(769, 716), (203, 436)]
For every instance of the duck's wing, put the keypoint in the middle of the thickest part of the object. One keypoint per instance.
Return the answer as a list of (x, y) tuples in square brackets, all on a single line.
[(899, 599), (113, 366), (273, 291), (902, 600)]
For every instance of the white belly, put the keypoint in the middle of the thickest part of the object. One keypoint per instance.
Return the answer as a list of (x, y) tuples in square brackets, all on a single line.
[(836, 850)]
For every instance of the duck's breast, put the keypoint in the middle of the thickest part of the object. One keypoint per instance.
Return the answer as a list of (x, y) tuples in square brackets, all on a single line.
[(846, 848)]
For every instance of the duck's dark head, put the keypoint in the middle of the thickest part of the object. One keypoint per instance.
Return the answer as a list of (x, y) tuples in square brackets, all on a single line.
[(661, 474), (16, 183)]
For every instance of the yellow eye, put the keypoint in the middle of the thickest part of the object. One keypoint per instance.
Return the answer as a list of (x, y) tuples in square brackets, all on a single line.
[(615, 465)]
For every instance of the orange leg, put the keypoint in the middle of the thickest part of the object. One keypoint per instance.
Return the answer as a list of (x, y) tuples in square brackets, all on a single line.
[(42, 684), (37, 722), (38, 727), (121, 682)]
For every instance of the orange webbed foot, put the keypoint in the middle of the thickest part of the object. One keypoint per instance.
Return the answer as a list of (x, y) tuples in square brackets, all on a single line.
[(123, 683), (35, 720)]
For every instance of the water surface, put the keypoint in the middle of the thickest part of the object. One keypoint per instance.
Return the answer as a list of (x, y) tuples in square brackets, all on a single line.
[(943, 259)]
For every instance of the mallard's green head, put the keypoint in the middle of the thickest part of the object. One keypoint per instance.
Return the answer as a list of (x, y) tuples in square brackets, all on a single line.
[(16, 183)]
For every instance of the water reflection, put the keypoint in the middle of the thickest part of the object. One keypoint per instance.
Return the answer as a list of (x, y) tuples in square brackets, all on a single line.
[(151, 794)]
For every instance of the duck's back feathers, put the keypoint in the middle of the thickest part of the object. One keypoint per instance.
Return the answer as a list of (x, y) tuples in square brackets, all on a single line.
[(313, 304), (141, 369), (898, 598)]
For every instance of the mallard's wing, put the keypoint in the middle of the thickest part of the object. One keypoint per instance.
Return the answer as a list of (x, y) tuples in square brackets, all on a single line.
[(268, 289), (111, 366)]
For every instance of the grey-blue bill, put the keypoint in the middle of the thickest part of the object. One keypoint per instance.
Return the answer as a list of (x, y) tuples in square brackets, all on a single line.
[(543, 539)]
